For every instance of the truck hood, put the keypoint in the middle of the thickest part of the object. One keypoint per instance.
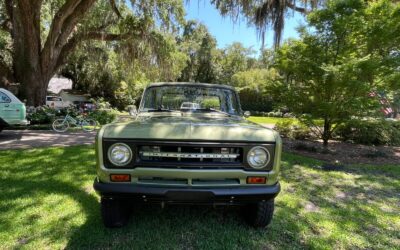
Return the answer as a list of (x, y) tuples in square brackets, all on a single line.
[(209, 128)]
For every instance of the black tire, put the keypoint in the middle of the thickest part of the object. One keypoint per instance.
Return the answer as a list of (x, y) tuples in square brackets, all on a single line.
[(259, 214), (114, 212)]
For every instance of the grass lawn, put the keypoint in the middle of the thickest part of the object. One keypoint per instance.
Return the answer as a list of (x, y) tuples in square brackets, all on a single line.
[(47, 202), (270, 120), (274, 120)]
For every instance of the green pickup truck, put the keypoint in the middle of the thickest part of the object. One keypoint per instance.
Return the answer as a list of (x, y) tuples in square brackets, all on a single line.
[(204, 153), (12, 110)]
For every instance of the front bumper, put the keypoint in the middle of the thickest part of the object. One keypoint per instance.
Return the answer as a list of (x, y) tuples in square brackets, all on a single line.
[(212, 195), (8, 123), (25, 122)]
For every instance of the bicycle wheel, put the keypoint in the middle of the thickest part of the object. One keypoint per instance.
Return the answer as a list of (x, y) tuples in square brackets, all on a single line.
[(88, 125), (60, 125)]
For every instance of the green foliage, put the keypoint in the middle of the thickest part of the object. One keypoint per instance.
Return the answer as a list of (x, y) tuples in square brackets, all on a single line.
[(254, 79), (45, 115), (210, 103), (234, 58), (253, 86), (331, 71), (290, 129), (372, 131), (202, 54), (284, 127), (103, 113), (120, 71), (104, 116), (254, 101), (40, 115)]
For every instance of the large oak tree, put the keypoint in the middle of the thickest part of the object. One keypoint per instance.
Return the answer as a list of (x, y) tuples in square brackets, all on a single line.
[(39, 48)]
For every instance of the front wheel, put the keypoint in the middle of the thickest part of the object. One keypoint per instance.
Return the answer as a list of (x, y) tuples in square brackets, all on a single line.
[(60, 125), (88, 125), (259, 214), (114, 212)]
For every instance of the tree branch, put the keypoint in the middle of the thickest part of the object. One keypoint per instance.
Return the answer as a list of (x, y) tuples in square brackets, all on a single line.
[(296, 8), (61, 28), (115, 8), (77, 39), (59, 18)]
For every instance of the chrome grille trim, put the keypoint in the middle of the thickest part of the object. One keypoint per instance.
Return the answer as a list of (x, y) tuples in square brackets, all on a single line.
[(189, 155)]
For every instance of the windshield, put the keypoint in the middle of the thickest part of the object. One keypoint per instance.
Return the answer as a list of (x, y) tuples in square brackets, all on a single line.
[(190, 98)]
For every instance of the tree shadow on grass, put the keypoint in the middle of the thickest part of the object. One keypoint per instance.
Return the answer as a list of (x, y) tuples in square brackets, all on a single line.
[(55, 185), (356, 202), (69, 173), (187, 227)]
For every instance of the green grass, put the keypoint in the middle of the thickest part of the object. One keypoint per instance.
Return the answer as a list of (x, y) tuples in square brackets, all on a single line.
[(47, 202), (274, 120), (270, 120)]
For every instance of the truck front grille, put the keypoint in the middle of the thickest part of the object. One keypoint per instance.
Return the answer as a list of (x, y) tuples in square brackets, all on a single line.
[(190, 154)]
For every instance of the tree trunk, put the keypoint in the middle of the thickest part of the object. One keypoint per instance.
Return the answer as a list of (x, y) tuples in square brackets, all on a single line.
[(326, 134), (35, 63), (27, 48), (33, 88)]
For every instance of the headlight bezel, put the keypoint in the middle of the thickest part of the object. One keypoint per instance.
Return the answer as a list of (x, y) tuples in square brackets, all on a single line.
[(126, 163), (261, 167)]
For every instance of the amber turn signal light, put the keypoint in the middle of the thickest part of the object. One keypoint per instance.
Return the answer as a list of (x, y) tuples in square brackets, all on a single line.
[(120, 177), (256, 180)]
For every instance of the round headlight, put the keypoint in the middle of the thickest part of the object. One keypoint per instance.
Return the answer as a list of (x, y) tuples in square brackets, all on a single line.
[(120, 154), (258, 157)]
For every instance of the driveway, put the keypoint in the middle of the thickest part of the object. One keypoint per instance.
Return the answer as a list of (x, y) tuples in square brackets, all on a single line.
[(20, 139)]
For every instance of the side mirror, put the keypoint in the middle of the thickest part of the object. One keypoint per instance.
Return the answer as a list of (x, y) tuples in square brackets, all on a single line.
[(246, 114)]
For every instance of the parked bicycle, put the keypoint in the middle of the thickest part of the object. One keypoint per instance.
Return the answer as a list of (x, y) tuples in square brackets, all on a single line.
[(63, 124)]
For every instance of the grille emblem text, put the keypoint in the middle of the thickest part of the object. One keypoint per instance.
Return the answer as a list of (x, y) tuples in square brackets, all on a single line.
[(189, 155)]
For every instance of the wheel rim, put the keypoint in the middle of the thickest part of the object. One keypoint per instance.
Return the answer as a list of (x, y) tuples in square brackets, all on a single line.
[(60, 125), (88, 125)]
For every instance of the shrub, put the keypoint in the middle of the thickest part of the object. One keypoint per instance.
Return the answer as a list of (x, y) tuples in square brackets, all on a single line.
[(370, 132), (284, 127), (299, 132), (288, 115), (40, 115), (254, 101), (103, 116), (287, 128), (210, 103)]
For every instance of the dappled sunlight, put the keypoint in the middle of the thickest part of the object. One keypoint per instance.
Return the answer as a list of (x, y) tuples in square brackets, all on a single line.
[(348, 218), (25, 139), (48, 201)]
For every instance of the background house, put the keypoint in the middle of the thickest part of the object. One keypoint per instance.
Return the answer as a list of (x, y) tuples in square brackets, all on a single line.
[(73, 96), (58, 83), (62, 87)]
